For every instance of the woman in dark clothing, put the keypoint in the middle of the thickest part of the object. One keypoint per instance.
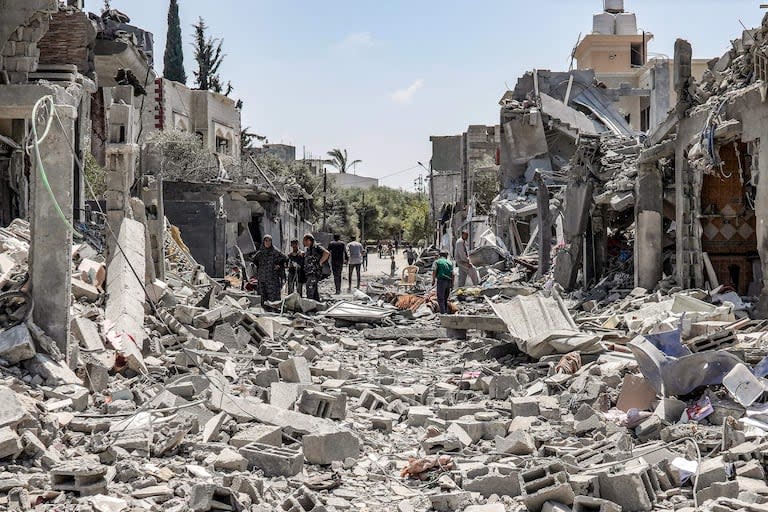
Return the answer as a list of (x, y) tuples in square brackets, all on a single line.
[(314, 257)]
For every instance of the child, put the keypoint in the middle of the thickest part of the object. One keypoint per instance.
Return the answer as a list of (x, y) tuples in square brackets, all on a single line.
[(392, 267)]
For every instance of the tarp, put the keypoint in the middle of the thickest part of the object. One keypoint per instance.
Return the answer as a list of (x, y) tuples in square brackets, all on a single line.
[(353, 312)]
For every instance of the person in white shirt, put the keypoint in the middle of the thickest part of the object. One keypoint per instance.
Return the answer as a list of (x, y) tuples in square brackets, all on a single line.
[(355, 257), (466, 268)]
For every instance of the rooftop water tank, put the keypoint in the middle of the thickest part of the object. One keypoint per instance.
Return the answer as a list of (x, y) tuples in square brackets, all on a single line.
[(613, 6), (626, 24), (603, 23)]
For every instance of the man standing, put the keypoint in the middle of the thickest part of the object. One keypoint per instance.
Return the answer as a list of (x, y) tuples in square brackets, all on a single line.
[(269, 264), (296, 277), (466, 268), (442, 275), (314, 258), (338, 250), (410, 253), (355, 258)]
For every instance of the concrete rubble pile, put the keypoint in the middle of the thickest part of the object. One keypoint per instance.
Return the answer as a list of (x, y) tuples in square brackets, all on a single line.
[(521, 401)]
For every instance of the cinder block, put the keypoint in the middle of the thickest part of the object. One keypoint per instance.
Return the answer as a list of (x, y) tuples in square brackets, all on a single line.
[(316, 403), (327, 447), (372, 401), (526, 406), (591, 504), (302, 500), (261, 434), (495, 479), (273, 461), (296, 370)]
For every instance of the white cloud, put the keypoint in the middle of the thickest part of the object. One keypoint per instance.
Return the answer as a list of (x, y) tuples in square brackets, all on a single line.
[(406, 95), (356, 41)]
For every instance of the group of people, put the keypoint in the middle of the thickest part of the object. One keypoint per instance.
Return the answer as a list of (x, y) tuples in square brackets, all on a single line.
[(305, 268)]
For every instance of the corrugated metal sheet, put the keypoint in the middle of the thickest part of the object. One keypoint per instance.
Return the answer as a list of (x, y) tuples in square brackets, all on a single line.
[(535, 316)]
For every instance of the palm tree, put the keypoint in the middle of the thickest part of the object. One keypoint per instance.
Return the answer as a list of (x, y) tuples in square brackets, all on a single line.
[(340, 160)]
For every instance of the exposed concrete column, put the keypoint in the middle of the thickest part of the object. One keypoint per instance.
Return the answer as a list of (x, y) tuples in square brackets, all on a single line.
[(121, 171), (545, 225), (152, 194), (51, 249), (761, 214), (649, 241)]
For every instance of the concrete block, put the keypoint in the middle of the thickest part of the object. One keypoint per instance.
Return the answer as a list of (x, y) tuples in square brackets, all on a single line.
[(524, 406), (491, 507), (372, 401), (78, 394), (303, 500), (591, 504), (628, 489), (285, 394), (494, 479), (516, 443), (553, 506), (87, 333), (81, 476), (295, 370), (418, 415), (205, 497), (259, 434), (454, 412), (264, 378), (16, 344), (450, 502), (316, 403), (500, 386), (442, 443), (718, 490), (323, 448), (83, 290), (230, 460), (213, 427), (273, 461)]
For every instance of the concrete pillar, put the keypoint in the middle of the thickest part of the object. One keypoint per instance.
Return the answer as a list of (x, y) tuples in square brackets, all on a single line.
[(152, 194), (649, 242), (545, 225), (121, 172), (51, 248), (761, 214)]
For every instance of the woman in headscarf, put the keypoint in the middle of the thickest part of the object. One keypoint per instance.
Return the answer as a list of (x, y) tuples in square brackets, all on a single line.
[(314, 257), (269, 263)]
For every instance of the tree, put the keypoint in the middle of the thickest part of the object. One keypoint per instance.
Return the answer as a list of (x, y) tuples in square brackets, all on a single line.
[(340, 160), (209, 56), (174, 53)]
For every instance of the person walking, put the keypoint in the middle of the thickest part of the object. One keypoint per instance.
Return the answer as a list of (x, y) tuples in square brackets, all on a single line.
[(296, 277), (442, 276), (461, 255), (365, 259), (355, 258), (410, 253), (338, 250), (269, 263), (314, 258)]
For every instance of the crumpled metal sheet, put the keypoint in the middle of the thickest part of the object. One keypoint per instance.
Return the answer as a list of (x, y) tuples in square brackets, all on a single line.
[(674, 376)]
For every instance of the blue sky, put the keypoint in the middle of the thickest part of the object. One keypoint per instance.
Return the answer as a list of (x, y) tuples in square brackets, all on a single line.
[(379, 78)]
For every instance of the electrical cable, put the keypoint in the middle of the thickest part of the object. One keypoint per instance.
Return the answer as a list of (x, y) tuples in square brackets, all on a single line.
[(36, 141)]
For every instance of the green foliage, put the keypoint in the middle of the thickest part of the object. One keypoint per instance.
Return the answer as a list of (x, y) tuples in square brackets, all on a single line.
[(485, 189), (296, 177), (95, 175), (174, 53), (340, 160), (209, 56), (181, 156), (417, 224)]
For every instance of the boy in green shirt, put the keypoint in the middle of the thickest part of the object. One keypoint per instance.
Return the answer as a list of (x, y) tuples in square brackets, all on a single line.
[(442, 275)]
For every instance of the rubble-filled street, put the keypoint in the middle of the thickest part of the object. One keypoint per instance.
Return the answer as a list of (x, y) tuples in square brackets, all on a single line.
[(568, 315)]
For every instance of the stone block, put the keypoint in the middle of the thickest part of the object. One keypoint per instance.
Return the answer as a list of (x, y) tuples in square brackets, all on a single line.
[(323, 448), (454, 412), (10, 443), (295, 370), (273, 461), (16, 344)]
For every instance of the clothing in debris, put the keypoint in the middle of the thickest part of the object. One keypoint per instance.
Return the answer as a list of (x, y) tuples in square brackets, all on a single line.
[(269, 263)]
